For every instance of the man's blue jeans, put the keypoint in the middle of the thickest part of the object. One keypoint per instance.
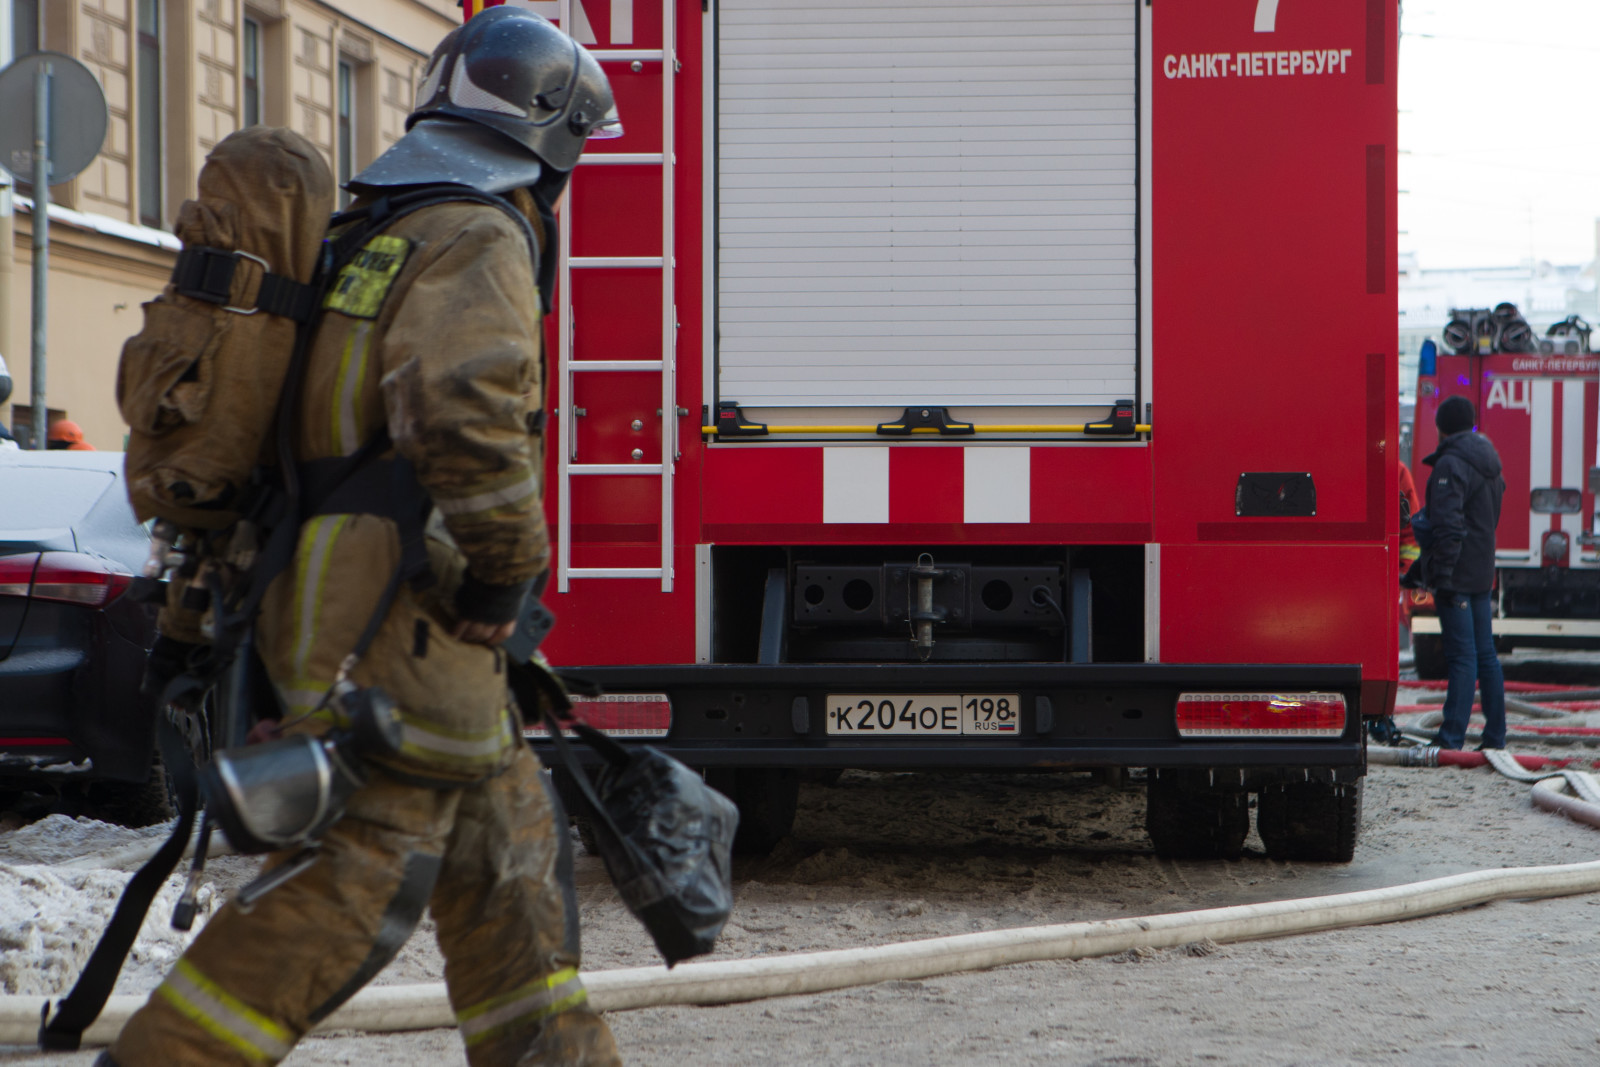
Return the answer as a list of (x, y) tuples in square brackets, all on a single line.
[(1469, 656)]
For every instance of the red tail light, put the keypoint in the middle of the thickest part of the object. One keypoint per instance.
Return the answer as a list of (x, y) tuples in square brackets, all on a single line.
[(1260, 714), (78, 579), (620, 715), (16, 573)]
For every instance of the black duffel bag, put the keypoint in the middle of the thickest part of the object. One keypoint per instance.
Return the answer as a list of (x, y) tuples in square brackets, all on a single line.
[(665, 836)]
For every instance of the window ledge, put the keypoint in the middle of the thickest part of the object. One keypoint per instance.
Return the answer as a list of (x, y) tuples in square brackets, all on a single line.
[(105, 224)]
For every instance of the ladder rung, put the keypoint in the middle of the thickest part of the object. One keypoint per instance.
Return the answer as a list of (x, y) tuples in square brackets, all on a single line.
[(616, 364), (622, 157), (613, 572), (613, 468), (615, 261), (622, 55)]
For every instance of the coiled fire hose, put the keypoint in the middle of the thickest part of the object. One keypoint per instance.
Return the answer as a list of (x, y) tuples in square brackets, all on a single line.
[(420, 1007)]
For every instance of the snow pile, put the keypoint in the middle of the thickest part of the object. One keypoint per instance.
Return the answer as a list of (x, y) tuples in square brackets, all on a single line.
[(50, 920), (55, 838)]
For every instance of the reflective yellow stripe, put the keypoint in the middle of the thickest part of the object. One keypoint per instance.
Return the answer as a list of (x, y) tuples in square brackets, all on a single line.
[(316, 550), (224, 1016), (539, 999), (431, 741), (517, 492), (347, 435), (302, 694)]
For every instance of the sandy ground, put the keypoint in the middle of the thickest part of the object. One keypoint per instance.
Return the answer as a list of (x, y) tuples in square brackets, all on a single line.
[(884, 858)]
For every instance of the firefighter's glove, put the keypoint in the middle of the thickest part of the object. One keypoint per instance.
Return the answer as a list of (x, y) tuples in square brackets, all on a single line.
[(488, 612)]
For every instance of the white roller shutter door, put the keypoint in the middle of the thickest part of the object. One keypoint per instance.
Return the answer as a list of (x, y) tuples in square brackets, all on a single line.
[(926, 202)]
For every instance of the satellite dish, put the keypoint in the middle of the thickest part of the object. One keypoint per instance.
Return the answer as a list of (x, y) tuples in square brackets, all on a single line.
[(77, 116)]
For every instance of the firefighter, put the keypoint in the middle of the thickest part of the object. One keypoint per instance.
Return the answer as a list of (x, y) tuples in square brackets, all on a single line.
[(432, 334)]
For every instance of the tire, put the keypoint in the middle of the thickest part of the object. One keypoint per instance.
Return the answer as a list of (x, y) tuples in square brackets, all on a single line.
[(1427, 651), (767, 798), (572, 806), (1187, 818), (133, 804), (586, 835), (1317, 821)]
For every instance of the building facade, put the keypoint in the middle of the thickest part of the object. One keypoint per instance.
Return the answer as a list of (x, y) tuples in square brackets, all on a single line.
[(180, 75)]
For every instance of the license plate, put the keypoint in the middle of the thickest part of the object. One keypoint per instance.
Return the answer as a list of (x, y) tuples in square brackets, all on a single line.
[(923, 714)]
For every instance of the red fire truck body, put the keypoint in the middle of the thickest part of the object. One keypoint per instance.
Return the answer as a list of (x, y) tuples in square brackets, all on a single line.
[(1540, 412), (988, 385)]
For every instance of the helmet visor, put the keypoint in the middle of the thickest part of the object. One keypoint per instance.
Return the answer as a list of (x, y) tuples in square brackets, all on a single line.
[(609, 128)]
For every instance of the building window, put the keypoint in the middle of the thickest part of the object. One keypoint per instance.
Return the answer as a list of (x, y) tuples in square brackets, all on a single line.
[(24, 27), (347, 123), (149, 112), (252, 73)]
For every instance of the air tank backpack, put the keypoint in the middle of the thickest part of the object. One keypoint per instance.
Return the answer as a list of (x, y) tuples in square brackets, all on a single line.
[(199, 384)]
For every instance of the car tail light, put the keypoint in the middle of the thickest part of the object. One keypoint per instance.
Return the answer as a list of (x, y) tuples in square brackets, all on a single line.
[(78, 579), (1261, 714), (1554, 548), (620, 715), (16, 573)]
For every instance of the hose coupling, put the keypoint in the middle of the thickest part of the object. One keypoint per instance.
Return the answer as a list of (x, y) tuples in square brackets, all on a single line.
[(1421, 756)]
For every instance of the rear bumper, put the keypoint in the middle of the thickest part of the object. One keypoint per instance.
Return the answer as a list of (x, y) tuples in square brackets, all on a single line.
[(1529, 628), (1072, 715), (69, 700)]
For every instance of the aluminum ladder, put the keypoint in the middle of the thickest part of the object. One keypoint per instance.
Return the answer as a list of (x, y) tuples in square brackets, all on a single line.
[(568, 470)]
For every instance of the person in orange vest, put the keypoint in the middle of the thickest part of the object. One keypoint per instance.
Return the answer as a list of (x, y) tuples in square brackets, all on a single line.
[(1409, 549), (1384, 730), (66, 435)]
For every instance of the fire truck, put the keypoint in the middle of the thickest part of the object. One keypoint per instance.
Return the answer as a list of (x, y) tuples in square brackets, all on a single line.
[(933, 387), (1539, 408)]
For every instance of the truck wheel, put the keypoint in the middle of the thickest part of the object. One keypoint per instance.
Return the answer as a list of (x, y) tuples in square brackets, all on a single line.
[(1187, 818), (767, 798), (1427, 652), (1317, 821)]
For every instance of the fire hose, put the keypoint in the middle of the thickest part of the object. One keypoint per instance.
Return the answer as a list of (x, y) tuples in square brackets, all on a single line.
[(426, 1006), (418, 1007), (1550, 778)]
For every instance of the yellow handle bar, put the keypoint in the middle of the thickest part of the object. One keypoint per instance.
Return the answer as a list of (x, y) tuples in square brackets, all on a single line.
[(873, 430)]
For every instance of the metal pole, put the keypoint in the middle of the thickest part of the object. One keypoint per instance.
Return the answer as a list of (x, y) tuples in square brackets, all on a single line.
[(41, 248), (7, 263)]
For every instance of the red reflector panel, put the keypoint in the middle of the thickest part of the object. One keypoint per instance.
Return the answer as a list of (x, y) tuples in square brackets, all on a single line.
[(78, 579), (620, 715), (16, 573), (1260, 715)]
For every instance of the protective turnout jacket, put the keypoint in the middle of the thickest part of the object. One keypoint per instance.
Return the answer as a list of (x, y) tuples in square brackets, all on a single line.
[(1463, 505), (433, 332)]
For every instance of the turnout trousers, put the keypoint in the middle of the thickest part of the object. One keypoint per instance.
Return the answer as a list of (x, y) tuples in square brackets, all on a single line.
[(493, 862)]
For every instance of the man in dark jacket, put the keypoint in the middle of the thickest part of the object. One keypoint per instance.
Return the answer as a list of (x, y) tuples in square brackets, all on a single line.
[(1463, 509)]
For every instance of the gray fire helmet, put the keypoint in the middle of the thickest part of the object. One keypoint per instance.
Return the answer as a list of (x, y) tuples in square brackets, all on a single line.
[(515, 73), (452, 150)]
